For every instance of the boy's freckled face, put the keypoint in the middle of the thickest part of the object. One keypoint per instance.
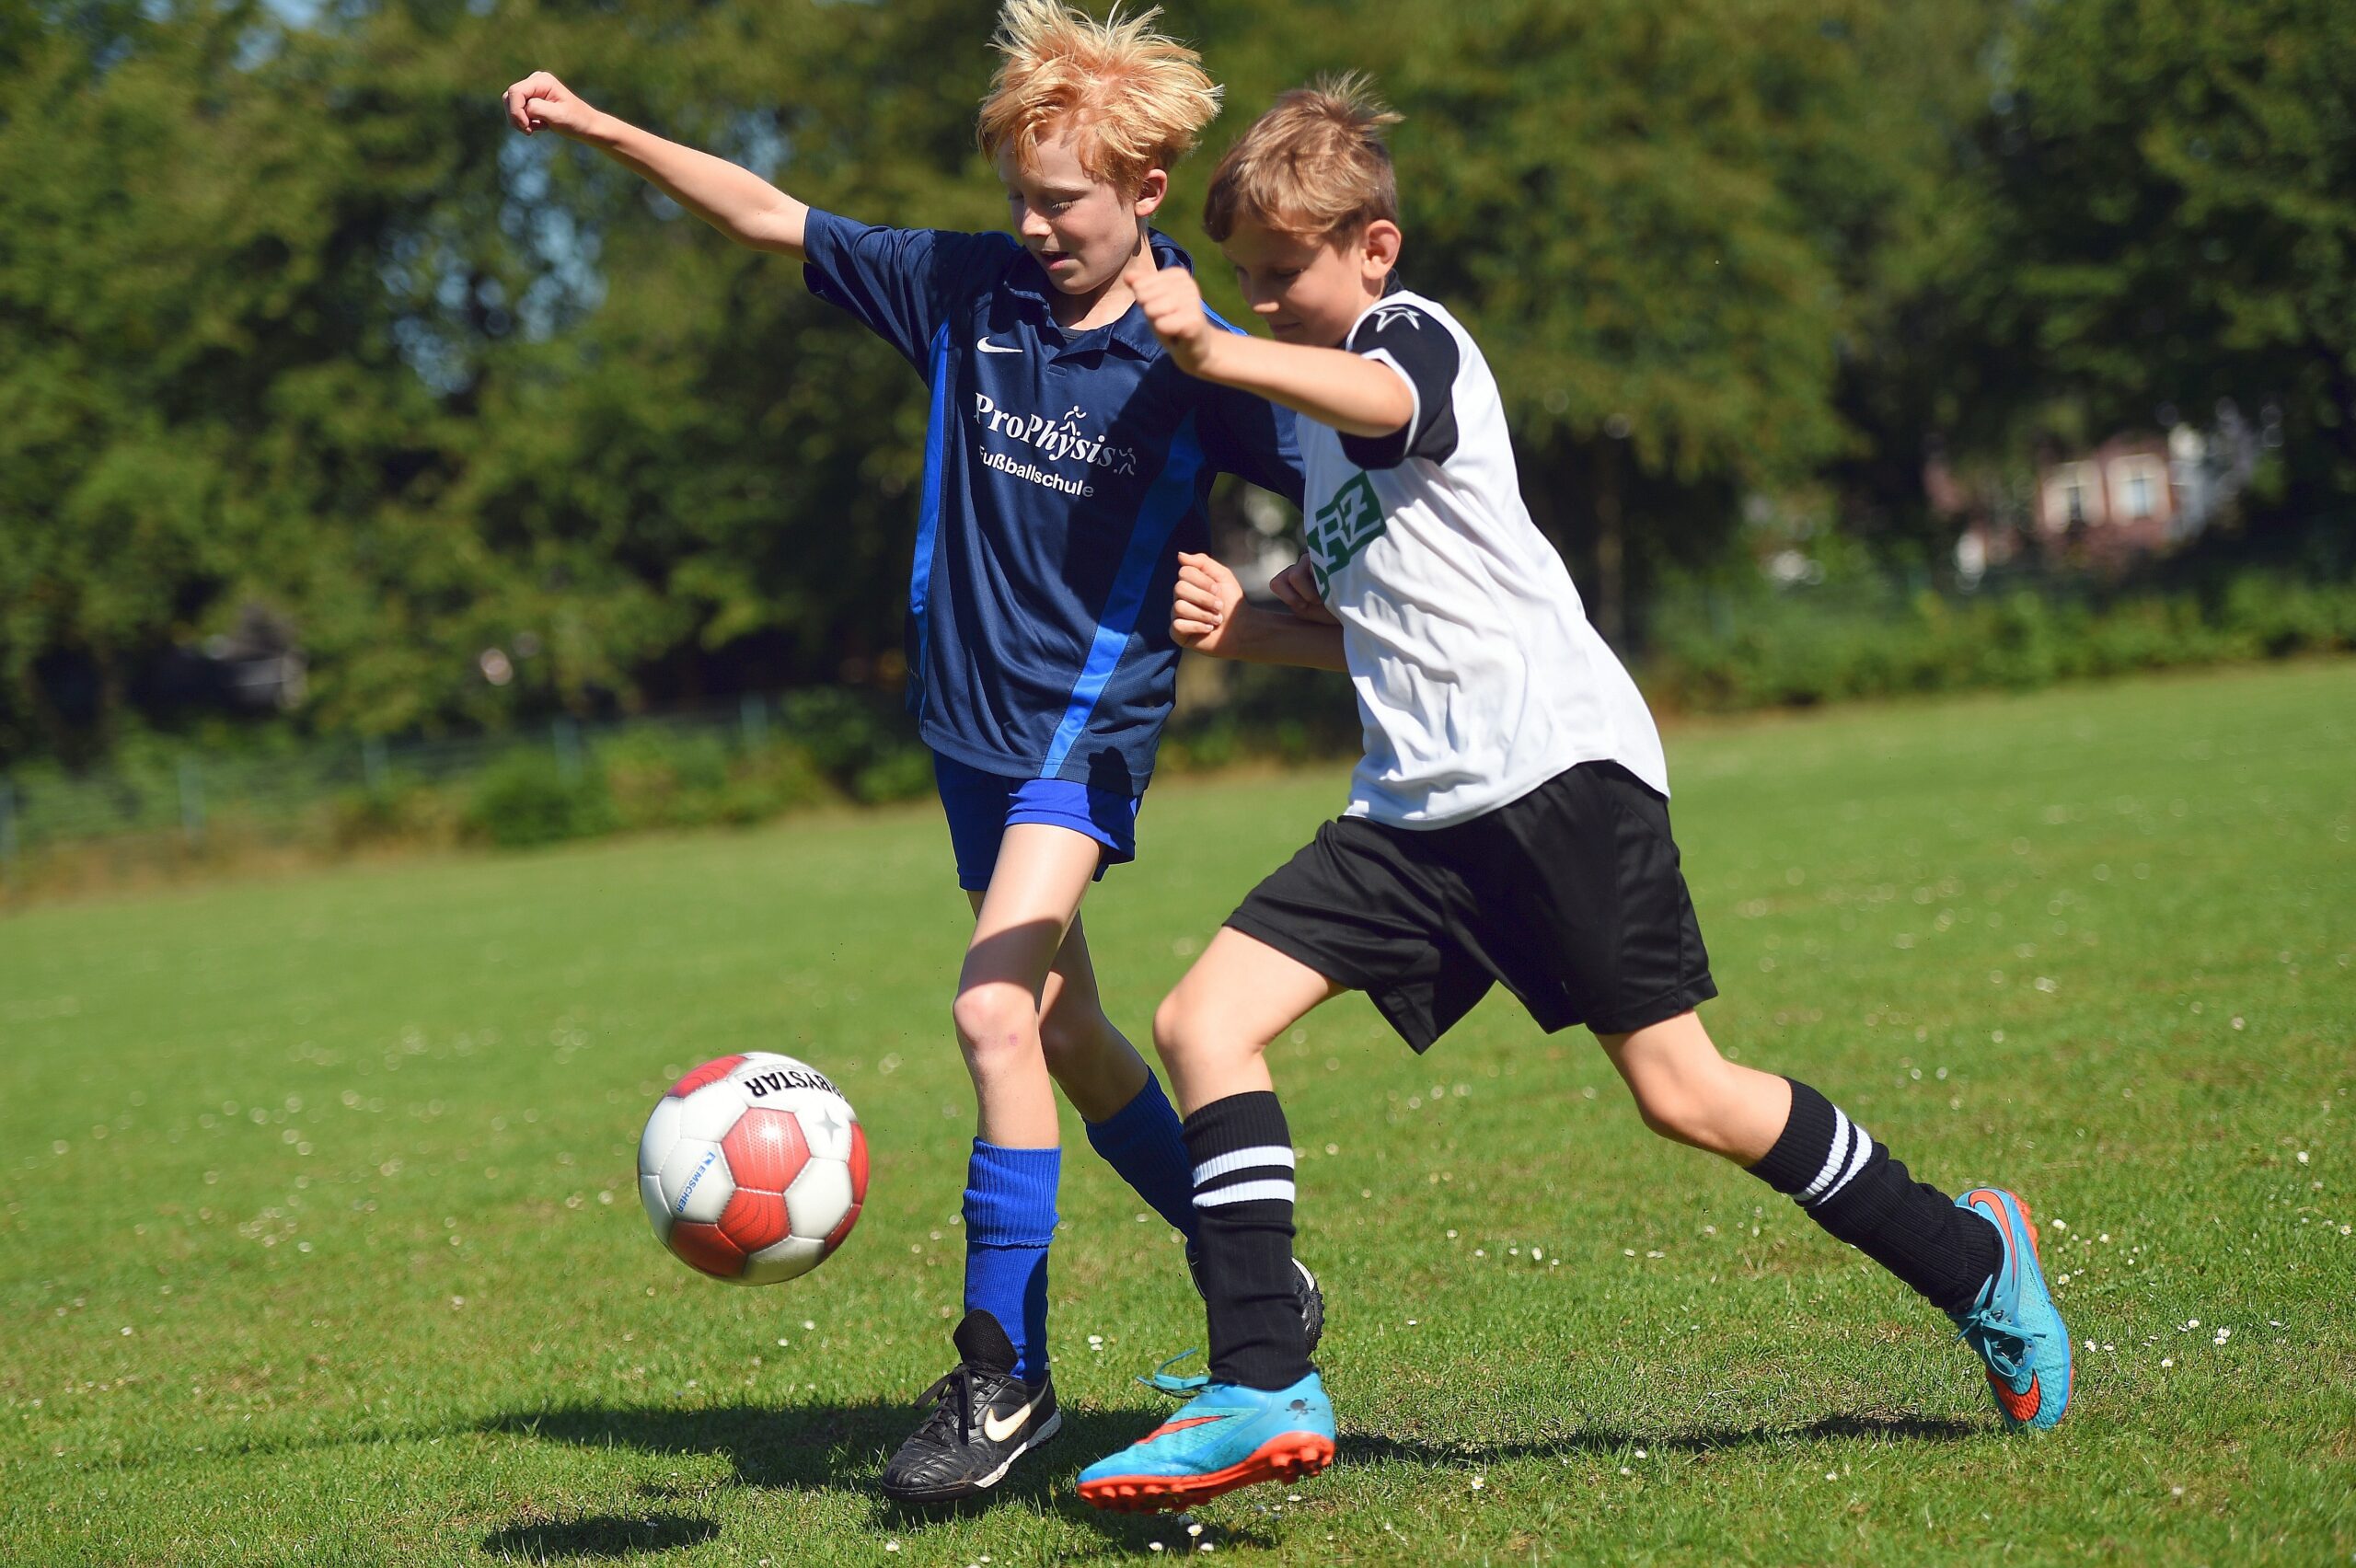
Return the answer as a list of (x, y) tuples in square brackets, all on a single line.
[(1307, 291), (1082, 229)]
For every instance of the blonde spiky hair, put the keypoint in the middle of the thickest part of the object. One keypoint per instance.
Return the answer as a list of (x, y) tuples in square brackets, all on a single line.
[(1314, 168), (1138, 99)]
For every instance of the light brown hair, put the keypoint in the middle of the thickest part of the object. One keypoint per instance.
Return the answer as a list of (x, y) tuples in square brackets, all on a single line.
[(1137, 99), (1314, 168)]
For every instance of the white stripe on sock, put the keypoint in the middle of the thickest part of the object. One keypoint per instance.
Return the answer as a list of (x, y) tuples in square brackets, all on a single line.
[(1244, 1192), (1860, 1151), (1242, 1159), (1833, 1157)]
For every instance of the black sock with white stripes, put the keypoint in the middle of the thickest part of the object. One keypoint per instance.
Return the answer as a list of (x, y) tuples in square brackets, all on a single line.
[(1848, 1184), (1241, 1153)]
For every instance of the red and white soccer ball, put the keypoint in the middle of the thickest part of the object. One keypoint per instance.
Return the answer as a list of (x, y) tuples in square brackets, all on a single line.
[(752, 1168)]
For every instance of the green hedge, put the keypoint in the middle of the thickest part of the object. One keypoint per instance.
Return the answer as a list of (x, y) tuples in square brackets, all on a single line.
[(1741, 646), (1815, 646), (822, 746)]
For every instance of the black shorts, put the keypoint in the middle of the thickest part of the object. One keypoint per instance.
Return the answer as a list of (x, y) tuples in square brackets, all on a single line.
[(1570, 895)]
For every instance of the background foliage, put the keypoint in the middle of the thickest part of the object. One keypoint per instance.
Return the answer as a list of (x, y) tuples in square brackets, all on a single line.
[(291, 328)]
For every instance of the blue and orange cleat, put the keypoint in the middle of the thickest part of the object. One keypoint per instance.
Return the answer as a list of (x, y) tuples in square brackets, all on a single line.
[(1225, 1437), (2014, 1324)]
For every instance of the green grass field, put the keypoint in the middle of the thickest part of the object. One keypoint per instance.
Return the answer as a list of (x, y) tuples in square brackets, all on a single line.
[(320, 1244)]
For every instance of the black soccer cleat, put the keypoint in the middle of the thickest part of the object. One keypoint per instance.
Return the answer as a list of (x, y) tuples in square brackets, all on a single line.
[(1306, 1292), (983, 1419)]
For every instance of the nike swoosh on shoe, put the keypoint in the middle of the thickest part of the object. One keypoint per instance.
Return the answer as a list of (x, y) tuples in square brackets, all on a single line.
[(2021, 1406), (997, 1431)]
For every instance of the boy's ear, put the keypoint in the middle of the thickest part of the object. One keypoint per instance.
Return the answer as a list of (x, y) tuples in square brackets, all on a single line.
[(1153, 186), (1380, 245)]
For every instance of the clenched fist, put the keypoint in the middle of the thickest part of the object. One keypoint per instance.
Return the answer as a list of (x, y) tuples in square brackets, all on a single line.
[(540, 101), (1208, 600), (1172, 303), (1297, 586)]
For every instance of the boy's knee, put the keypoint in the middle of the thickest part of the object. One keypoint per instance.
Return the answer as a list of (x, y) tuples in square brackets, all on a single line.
[(1172, 1027), (1192, 1027), (1672, 1089), (1676, 1116), (1696, 1103), (992, 1018), (1183, 1026)]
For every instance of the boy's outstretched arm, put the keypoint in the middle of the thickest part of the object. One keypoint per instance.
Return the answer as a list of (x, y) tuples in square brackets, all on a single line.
[(1347, 392), (1211, 615), (732, 198)]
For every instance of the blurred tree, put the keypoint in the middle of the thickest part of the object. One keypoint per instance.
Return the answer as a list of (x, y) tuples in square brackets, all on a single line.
[(145, 303), (289, 315), (289, 318), (2173, 221), (1667, 225)]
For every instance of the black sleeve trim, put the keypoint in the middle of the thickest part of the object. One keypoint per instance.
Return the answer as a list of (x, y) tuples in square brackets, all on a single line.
[(1422, 348)]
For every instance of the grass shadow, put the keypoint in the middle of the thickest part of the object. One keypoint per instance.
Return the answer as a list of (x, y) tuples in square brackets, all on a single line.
[(1596, 1442), (842, 1448), (602, 1535)]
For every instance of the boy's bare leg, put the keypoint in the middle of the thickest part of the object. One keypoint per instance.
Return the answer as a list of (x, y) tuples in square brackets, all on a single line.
[(1020, 926), (1264, 1415), (1687, 1092), (1974, 1258), (1090, 1060), (1213, 1032), (1792, 1137)]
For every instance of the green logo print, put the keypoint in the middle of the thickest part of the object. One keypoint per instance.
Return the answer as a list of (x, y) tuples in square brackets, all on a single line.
[(1343, 527)]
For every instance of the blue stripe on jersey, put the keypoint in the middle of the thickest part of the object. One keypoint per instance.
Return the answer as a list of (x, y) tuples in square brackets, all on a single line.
[(1170, 498), (936, 438)]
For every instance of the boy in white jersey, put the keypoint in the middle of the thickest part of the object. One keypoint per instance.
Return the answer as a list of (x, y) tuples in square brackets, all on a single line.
[(1508, 824)]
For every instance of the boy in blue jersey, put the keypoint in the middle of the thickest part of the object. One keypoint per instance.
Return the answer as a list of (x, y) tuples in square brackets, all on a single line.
[(1066, 464)]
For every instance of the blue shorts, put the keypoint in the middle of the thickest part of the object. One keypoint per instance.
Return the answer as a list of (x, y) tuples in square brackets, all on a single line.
[(982, 806)]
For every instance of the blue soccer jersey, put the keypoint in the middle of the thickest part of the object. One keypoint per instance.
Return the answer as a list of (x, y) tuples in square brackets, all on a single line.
[(1063, 473)]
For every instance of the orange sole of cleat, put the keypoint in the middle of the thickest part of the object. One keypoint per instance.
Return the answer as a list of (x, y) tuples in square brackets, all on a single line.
[(1288, 1457)]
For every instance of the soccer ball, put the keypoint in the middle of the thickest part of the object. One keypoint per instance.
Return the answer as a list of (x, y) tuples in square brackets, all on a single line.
[(752, 1168)]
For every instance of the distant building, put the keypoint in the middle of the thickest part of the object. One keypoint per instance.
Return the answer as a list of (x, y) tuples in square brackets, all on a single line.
[(2112, 503), (2135, 495)]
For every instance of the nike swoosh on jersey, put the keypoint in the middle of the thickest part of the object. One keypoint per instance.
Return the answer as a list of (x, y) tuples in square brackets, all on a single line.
[(989, 348), (997, 1431)]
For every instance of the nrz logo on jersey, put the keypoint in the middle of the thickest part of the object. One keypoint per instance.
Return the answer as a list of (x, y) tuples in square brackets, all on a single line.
[(1343, 527), (1056, 438), (762, 1084), (710, 1157)]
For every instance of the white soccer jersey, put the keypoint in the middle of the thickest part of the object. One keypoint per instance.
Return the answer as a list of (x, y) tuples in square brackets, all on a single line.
[(1478, 675)]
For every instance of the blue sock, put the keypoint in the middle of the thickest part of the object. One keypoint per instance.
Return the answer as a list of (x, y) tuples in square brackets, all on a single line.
[(1143, 1141), (1009, 1219)]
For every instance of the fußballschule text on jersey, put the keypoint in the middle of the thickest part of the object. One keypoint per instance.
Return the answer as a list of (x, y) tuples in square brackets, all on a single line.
[(1063, 473), (1478, 674)]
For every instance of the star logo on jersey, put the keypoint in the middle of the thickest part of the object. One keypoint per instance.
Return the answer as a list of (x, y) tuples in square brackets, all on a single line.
[(1384, 314), (1343, 528)]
